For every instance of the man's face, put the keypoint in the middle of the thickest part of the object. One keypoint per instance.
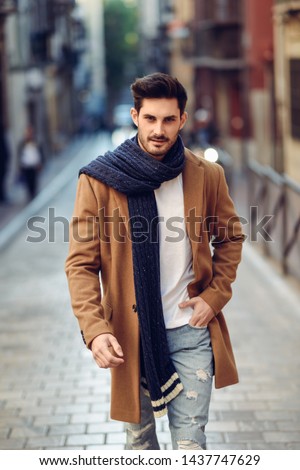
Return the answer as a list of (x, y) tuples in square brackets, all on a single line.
[(158, 123)]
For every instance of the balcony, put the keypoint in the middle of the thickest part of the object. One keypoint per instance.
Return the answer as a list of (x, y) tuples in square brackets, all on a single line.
[(61, 7), (7, 7), (219, 13), (216, 48)]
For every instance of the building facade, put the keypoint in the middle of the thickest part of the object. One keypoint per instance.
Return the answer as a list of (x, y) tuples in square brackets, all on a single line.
[(287, 71), (43, 74)]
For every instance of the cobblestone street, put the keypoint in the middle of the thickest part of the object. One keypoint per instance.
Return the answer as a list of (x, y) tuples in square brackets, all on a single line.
[(53, 396)]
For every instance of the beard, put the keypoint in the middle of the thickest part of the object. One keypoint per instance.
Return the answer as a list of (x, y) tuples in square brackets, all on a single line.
[(156, 146)]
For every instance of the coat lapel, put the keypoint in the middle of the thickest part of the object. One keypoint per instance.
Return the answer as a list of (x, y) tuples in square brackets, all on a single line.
[(122, 205), (193, 190)]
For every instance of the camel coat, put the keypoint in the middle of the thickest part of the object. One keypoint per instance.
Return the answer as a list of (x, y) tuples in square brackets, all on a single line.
[(100, 243)]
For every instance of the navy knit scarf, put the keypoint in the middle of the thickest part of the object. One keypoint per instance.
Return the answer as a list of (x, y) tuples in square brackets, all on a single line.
[(132, 171)]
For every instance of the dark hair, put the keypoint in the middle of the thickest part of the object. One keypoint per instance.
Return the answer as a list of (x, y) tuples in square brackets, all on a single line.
[(158, 85)]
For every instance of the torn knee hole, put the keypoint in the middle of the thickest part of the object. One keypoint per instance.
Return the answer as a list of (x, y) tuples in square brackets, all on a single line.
[(187, 444)]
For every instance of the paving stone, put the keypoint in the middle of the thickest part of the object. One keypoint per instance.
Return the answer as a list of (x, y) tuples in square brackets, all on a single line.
[(266, 446), (103, 406), (277, 415), (246, 436), (65, 447), (4, 431), (60, 430), (85, 439), (11, 394), (116, 438), (109, 427), (88, 418), (17, 403), (257, 425), (288, 425), (220, 405), (11, 421), (28, 431), (108, 447), (90, 399), (53, 419), (221, 426), (224, 446), (37, 411), (280, 436), (250, 406), (239, 415), (12, 444), (221, 396), (43, 442), (71, 409), (284, 405), (214, 436), (63, 401)]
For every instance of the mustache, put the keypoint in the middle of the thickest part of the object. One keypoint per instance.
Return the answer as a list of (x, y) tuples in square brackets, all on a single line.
[(159, 138)]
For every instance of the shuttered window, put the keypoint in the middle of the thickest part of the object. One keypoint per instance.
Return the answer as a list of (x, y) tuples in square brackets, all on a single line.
[(295, 97)]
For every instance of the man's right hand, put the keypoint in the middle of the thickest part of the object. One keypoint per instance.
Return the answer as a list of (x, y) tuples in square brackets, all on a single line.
[(102, 348)]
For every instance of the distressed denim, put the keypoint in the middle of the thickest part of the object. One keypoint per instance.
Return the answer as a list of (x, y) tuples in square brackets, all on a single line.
[(191, 353)]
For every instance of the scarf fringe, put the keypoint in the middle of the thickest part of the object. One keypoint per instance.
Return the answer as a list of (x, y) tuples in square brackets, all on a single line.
[(159, 406)]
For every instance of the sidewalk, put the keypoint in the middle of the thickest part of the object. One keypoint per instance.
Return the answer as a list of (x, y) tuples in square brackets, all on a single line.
[(55, 176), (53, 396)]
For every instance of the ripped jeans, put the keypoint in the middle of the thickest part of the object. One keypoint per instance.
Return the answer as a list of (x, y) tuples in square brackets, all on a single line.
[(191, 353)]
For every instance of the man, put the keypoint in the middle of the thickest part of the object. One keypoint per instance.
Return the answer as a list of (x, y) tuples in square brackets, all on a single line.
[(144, 217), (30, 155)]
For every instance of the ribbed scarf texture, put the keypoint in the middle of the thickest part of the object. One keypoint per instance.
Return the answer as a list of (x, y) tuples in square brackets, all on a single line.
[(131, 171)]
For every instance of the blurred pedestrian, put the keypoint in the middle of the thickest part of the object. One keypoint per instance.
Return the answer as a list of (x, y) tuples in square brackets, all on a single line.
[(159, 325), (4, 162), (30, 161)]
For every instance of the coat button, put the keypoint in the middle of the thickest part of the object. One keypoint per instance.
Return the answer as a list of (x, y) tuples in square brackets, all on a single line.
[(134, 308)]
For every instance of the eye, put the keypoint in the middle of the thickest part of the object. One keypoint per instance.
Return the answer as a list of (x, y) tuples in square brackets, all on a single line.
[(170, 119)]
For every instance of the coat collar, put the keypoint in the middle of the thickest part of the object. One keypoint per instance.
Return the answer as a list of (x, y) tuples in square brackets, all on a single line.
[(193, 186), (193, 193)]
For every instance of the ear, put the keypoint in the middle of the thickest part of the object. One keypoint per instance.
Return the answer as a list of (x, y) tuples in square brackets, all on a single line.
[(183, 119), (134, 116)]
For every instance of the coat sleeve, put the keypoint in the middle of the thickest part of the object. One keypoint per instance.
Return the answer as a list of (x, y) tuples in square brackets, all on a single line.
[(227, 238), (83, 264)]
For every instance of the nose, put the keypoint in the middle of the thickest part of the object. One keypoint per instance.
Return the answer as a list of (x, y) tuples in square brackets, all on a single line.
[(159, 128)]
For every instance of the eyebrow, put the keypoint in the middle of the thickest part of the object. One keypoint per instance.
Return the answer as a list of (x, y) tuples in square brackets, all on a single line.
[(166, 117)]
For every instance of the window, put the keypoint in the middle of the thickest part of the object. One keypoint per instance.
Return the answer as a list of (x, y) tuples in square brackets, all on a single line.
[(295, 97)]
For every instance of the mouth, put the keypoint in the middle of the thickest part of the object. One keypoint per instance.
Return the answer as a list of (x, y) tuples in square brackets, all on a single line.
[(159, 141)]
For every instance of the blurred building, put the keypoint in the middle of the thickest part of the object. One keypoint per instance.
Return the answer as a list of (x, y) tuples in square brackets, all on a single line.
[(287, 70), (6, 8), (258, 83), (202, 45), (155, 15), (41, 49), (215, 50), (93, 95), (178, 32)]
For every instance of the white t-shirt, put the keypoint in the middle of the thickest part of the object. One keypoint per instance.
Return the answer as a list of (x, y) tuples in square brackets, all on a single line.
[(175, 253)]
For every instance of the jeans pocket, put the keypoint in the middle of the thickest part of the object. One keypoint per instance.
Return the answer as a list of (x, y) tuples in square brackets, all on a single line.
[(204, 327)]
